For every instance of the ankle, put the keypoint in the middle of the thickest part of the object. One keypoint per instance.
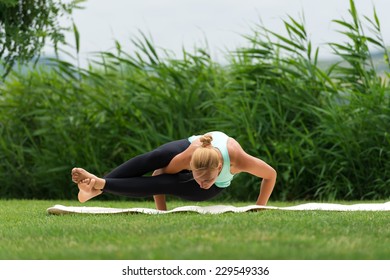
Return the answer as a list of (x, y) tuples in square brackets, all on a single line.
[(100, 183)]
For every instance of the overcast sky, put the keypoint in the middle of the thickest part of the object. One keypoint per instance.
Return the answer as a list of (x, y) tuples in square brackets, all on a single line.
[(173, 24)]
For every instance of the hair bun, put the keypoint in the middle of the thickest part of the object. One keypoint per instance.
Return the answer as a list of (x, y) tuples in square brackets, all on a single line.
[(206, 140)]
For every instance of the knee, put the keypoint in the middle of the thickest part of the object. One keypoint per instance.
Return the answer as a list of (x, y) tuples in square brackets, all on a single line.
[(163, 156)]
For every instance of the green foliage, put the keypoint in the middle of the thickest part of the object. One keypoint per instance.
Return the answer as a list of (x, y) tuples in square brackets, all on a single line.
[(324, 129), (27, 25), (9, 3)]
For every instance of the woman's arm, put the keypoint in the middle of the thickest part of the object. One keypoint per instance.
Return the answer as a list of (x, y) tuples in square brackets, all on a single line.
[(247, 163), (177, 164), (159, 199)]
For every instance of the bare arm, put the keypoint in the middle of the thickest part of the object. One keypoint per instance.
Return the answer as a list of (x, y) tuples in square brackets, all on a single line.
[(177, 164), (266, 188), (258, 168), (160, 201)]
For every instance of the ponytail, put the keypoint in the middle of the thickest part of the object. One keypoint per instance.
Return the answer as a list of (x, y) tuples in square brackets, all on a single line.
[(206, 140)]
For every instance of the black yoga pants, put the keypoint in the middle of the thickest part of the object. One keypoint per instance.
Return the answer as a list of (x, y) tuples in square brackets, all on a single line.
[(129, 179)]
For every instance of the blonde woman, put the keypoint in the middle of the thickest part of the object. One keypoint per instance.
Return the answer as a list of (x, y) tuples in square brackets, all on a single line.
[(197, 169)]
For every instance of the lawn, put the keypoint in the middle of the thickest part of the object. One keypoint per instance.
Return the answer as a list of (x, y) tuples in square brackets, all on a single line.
[(27, 232)]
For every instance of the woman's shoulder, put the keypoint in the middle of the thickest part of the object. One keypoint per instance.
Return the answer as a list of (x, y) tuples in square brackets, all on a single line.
[(187, 153), (234, 149), (233, 144), (236, 154)]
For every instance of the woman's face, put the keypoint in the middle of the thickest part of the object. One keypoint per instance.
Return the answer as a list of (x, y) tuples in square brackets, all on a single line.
[(205, 178)]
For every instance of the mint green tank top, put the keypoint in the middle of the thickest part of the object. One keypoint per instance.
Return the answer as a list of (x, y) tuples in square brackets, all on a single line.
[(220, 142)]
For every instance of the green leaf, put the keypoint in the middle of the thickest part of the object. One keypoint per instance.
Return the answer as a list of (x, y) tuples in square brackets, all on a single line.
[(77, 37)]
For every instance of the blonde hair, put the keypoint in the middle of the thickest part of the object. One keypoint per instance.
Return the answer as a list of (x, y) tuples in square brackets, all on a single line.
[(205, 157)]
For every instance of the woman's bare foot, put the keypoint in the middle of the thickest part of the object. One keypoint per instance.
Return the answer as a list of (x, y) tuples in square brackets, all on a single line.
[(87, 189), (80, 174)]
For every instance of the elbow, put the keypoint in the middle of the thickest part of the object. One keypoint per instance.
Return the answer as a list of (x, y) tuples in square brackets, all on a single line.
[(273, 175)]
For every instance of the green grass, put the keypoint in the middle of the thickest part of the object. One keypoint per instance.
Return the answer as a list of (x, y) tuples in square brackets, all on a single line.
[(27, 232)]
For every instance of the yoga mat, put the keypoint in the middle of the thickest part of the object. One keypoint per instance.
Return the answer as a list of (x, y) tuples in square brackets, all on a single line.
[(218, 209)]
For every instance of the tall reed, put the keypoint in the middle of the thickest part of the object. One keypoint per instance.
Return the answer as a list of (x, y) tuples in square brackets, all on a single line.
[(325, 129)]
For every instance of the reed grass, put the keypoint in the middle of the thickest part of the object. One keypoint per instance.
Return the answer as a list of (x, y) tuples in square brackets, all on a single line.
[(325, 129)]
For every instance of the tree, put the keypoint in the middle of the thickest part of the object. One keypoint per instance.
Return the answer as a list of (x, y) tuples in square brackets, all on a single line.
[(27, 25)]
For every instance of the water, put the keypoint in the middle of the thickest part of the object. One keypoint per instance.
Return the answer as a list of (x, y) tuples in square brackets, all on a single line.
[(216, 24)]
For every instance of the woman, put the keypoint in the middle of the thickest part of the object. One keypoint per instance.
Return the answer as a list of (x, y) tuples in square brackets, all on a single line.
[(197, 169)]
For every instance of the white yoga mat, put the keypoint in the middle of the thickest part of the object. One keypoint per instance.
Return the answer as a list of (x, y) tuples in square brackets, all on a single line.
[(218, 209)]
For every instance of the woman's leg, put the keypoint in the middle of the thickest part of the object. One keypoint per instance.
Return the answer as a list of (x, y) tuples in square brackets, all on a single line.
[(134, 168), (139, 165), (181, 185), (128, 179), (148, 162)]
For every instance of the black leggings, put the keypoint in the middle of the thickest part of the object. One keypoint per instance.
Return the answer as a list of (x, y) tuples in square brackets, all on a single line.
[(128, 179)]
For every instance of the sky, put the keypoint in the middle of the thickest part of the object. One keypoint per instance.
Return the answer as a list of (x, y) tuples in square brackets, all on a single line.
[(218, 25)]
